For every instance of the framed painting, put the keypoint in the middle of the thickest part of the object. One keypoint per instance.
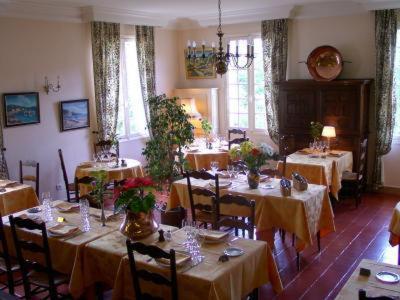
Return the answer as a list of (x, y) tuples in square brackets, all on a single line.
[(74, 114), (21, 109), (199, 68)]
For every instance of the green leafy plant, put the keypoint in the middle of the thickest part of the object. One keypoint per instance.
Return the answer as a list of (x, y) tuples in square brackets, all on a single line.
[(316, 130), (170, 132), (99, 185), (206, 126), (135, 195), (253, 156)]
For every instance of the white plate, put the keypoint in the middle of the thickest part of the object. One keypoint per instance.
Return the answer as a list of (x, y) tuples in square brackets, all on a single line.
[(233, 251), (387, 277), (267, 186)]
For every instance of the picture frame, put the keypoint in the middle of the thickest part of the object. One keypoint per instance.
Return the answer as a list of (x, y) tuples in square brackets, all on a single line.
[(74, 114), (21, 109), (199, 69)]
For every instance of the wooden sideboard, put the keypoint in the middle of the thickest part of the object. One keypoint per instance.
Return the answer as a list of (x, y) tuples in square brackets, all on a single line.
[(340, 103)]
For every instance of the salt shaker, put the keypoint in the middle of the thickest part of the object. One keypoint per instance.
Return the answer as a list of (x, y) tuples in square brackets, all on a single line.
[(168, 236)]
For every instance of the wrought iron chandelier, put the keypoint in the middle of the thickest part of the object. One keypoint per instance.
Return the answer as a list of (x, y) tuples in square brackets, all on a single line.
[(219, 57)]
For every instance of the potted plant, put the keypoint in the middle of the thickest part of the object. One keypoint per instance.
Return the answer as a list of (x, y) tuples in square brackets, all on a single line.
[(254, 157), (135, 197), (316, 130), (207, 128), (99, 186), (170, 132)]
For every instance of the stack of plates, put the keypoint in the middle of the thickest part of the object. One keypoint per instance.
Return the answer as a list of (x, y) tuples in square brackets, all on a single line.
[(223, 184)]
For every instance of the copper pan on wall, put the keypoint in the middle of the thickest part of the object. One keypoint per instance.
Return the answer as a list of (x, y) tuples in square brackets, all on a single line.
[(325, 63)]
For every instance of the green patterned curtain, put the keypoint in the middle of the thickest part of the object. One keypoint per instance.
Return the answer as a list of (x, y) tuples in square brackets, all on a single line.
[(385, 44), (106, 63), (3, 163), (274, 35), (146, 63)]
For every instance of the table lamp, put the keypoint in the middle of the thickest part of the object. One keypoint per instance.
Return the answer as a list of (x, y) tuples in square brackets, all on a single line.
[(329, 132), (189, 105)]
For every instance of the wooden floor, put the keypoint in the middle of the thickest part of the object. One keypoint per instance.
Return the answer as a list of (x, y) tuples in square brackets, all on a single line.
[(360, 233)]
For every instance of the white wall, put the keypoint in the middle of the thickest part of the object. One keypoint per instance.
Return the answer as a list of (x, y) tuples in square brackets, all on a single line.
[(31, 50)]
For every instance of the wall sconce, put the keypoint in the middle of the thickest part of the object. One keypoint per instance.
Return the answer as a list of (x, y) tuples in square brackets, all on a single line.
[(50, 86), (189, 105)]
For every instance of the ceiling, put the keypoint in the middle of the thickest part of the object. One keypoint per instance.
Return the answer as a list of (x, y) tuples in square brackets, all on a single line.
[(175, 12)]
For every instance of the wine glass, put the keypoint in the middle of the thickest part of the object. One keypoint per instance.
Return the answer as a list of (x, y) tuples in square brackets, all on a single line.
[(230, 169), (214, 166)]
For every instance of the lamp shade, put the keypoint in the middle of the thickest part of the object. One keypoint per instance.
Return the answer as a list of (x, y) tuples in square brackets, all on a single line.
[(189, 105), (329, 131)]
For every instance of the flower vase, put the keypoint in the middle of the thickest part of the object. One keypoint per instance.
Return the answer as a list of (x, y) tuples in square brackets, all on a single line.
[(103, 216), (137, 226), (253, 178)]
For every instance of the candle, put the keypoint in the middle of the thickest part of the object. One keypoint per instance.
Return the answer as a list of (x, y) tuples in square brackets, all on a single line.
[(237, 51), (203, 43), (252, 50), (188, 43), (194, 44), (213, 45), (228, 49)]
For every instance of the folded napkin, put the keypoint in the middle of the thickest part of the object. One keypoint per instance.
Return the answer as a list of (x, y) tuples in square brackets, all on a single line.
[(109, 215), (305, 151), (223, 174), (35, 218), (213, 235), (336, 153), (61, 229), (66, 207), (8, 183), (222, 183), (180, 258), (264, 178)]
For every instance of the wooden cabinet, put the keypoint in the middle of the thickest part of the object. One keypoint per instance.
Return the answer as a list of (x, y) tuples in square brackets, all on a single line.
[(339, 103)]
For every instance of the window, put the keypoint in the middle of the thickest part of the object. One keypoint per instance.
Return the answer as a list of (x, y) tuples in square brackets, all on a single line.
[(131, 115), (396, 88), (245, 88)]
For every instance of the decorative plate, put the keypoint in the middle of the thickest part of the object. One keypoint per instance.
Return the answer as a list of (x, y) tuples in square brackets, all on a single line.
[(325, 63), (387, 277), (233, 251)]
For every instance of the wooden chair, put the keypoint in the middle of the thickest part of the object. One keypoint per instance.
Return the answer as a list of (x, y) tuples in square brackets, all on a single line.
[(42, 276), (203, 213), (274, 173), (362, 295), (235, 220), (69, 187), (105, 146), (31, 178), (8, 266), (236, 131), (355, 181), (237, 141), (155, 253)]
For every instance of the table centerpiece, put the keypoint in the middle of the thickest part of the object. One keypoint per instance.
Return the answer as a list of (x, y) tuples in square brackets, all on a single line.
[(135, 197), (254, 157)]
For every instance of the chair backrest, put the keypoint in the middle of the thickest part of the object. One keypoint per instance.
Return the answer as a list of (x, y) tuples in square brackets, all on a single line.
[(6, 257), (246, 210), (362, 295), (362, 160), (65, 175), (32, 178), (22, 246), (155, 253), (236, 131), (106, 146), (83, 180), (237, 141), (178, 157), (274, 173), (213, 196)]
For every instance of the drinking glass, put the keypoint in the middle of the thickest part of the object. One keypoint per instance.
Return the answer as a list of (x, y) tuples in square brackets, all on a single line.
[(47, 214), (84, 210), (214, 167)]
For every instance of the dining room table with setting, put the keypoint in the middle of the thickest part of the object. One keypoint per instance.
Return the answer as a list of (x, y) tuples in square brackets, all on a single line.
[(304, 213), (15, 196), (320, 167), (199, 156)]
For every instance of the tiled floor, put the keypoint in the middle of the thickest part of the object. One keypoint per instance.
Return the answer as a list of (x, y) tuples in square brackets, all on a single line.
[(360, 233)]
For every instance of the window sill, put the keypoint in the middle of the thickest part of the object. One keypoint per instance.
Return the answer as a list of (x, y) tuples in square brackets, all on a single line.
[(133, 138)]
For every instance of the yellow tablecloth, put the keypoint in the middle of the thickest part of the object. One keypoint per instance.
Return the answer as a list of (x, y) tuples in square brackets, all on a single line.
[(304, 213), (326, 171), (65, 250), (133, 169), (370, 284), (19, 197), (99, 262), (210, 279), (394, 227), (203, 158)]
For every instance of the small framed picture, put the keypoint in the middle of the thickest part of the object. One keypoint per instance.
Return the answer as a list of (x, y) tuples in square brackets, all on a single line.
[(74, 114), (200, 68), (21, 109)]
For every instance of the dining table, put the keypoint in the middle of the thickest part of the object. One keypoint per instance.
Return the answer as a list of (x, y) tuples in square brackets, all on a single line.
[(320, 168), (15, 196), (200, 158), (211, 278), (132, 168), (370, 284), (304, 213)]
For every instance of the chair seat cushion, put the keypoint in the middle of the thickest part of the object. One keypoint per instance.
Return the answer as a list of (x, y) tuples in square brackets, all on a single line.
[(350, 176), (41, 279)]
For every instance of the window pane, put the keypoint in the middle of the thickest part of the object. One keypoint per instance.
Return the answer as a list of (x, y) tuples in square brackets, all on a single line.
[(243, 93), (233, 106), (260, 121), (233, 91), (233, 120), (242, 76), (232, 76), (243, 106), (259, 106), (243, 121), (259, 92)]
